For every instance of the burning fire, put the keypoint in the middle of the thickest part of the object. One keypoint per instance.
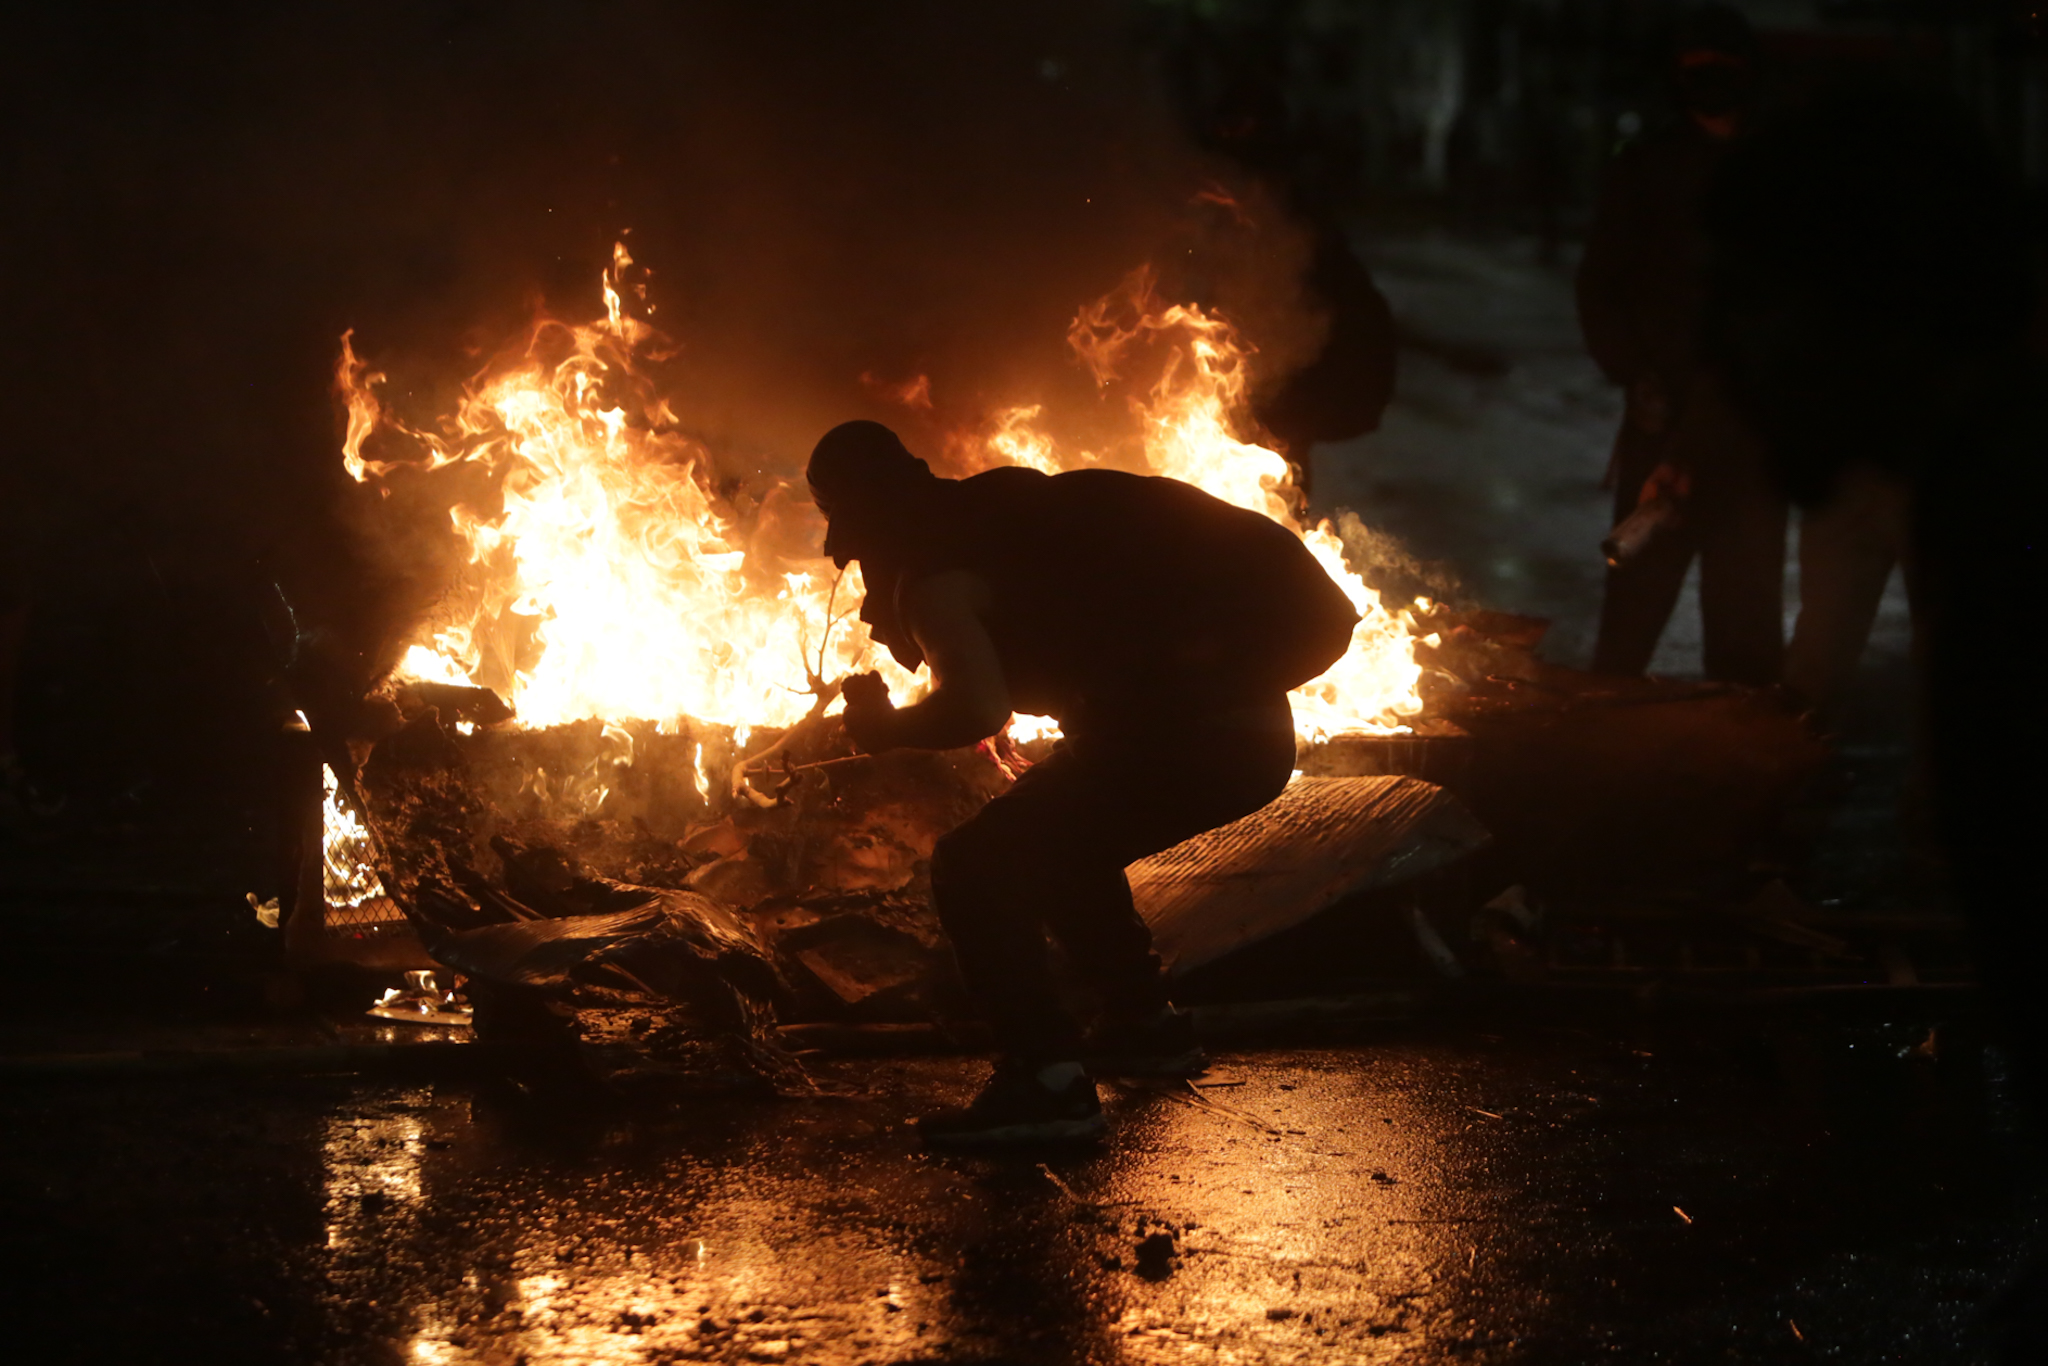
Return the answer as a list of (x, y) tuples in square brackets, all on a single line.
[(1188, 435), (348, 877), (610, 580)]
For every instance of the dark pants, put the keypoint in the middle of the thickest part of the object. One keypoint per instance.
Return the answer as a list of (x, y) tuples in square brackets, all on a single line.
[(1847, 548), (1735, 524), (1049, 855)]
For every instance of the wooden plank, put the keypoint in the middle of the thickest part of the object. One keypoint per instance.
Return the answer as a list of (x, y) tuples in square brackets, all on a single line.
[(1320, 840)]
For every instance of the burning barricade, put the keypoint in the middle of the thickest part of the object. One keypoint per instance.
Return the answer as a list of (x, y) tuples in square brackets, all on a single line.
[(606, 771)]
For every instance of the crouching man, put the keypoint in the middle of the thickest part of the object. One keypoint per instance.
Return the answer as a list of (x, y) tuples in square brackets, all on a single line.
[(1163, 629)]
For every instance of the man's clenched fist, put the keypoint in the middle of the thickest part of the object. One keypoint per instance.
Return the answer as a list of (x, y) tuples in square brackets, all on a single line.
[(868, 712)]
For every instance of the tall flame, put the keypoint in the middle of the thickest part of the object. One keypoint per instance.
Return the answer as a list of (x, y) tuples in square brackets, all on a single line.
[(612, 581), (1189, 433)]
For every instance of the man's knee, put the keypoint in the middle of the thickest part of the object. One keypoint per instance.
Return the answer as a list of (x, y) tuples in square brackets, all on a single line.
[(976, 876)]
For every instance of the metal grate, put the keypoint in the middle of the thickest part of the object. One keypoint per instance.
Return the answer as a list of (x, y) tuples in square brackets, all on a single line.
[(353, 893)]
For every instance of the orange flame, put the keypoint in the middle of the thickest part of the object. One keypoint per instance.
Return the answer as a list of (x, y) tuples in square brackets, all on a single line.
[(612, 581), (914, 393), (348, 871), (1013, 441), (358, 383), (1189, 424)]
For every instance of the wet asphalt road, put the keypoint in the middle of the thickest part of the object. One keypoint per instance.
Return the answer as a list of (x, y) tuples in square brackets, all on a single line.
[(1544, 1194)]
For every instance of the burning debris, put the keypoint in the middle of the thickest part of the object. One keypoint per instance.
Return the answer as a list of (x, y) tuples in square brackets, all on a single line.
[(607, 772), (610, 579), (349, 883), (423, 1000), (631, 684)]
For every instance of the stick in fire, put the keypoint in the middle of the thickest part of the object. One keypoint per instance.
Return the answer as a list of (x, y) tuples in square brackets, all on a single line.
[(822, 694), (1163, 628)]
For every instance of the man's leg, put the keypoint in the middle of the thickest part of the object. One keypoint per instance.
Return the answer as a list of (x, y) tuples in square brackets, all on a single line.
[(993, 879), (1739, 524), (1167, 782), (1846, 552), (1050, 853), (1742, 588)]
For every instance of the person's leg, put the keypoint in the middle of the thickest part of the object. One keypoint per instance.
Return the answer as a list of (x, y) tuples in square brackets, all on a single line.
[(1641, 593), (1156, 786), (1742, 587), (1050, 854), (1846, 552), (992, 879), (1636, 603), (1109, 945)]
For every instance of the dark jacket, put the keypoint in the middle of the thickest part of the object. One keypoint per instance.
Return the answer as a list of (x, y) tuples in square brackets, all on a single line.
[(1642, 281), (1116, 591)]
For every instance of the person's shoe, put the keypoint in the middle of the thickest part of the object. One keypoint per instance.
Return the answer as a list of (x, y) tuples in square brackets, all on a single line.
[(1162, 1046), (1022, 1103)]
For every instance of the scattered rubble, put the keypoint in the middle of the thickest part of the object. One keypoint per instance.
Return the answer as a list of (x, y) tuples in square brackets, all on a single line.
[(423, 1000), (1157, 1250), (774, 886)]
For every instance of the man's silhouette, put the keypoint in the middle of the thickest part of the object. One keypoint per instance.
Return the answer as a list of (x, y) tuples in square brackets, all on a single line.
[(1163, 628)]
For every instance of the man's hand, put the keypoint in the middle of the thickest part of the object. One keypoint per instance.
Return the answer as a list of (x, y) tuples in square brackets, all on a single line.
[(969, 698), (869, 712)]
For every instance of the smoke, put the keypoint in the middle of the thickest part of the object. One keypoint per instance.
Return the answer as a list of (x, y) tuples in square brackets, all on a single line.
[(1385, 562), (835, 202)]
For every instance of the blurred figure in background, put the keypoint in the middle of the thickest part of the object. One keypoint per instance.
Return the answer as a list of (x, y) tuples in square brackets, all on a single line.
[(1343, 390), (1874, 279), (1682, 452), (1848, 546)]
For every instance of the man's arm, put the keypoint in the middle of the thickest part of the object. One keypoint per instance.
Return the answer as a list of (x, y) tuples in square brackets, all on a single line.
[(970, 698)]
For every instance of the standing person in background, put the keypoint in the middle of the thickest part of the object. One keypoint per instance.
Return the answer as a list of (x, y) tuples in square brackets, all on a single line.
[(1343, 389), (1873, 282), (1680, 446)]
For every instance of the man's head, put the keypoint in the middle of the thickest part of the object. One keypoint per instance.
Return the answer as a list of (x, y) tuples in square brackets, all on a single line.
[(1716, 57), (859, 474)]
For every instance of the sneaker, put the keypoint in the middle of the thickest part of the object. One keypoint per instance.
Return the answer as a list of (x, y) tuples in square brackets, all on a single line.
[(1019, 1105), (1163, 1046)]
